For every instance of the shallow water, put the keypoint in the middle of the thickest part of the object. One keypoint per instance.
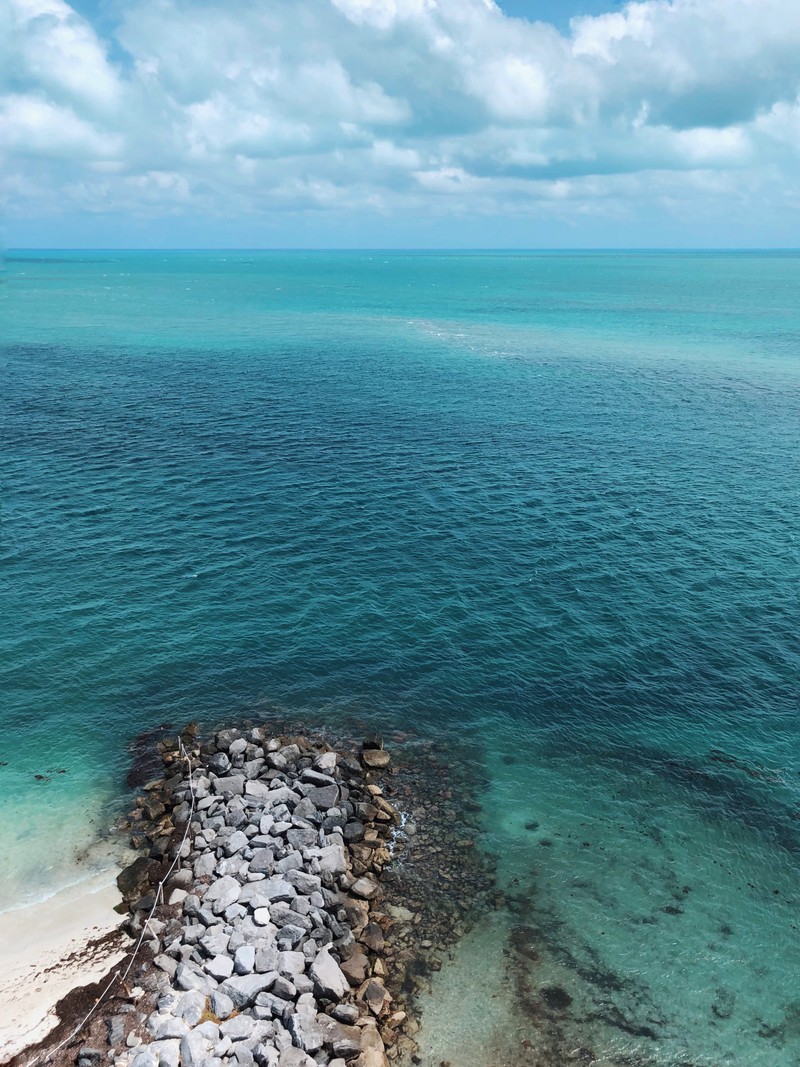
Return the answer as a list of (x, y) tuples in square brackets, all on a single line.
[(547, 502)]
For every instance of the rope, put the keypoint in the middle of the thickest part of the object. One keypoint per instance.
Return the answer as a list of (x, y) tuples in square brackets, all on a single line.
[(118, 976)]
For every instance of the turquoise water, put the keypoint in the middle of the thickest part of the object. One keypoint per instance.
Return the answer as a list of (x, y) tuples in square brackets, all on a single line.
[(549, 502)]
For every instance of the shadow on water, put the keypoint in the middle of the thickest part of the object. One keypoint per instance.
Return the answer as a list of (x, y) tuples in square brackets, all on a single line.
[(719, 786)]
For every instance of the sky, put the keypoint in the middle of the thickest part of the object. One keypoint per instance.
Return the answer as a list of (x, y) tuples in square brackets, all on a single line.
[(399, 123)]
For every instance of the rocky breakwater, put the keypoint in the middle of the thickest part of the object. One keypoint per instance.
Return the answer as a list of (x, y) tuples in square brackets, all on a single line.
[(265, 950)]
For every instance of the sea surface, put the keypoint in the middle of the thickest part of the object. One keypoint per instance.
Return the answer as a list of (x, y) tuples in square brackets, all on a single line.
[(546, 503)]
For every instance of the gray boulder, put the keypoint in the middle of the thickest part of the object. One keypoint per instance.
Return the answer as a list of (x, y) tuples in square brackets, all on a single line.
[(236, 843), (190, 1006), (331, 859), (168, 1052), (306, 1032), (262, 860), (303, 882), (295, 1057), (300, 838), (291, 964), (220, 967), (222, 893), (233, 785), (168, 1027), (243, 989), (323, 797), (273, 889), (221, 1004), (329, 982), (196, 1046), (244, 960), (188, 976), (239, 1028), (267, 959), (145, 1057), (294, 861), (219, 764)]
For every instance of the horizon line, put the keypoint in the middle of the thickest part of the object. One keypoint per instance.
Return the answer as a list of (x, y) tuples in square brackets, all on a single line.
[(401, 248)]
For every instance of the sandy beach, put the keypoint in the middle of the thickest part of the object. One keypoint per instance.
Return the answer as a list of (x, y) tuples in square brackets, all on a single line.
[(43, 956)]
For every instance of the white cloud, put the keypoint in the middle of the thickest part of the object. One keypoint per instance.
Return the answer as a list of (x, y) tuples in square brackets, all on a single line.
[(30, 125), (399, 105), (45, 44)]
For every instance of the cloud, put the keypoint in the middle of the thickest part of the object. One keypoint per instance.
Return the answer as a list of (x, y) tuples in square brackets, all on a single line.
[(390, 106), (47, 46)]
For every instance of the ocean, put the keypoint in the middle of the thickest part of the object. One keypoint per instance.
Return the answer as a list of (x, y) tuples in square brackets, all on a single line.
[(544, 503)]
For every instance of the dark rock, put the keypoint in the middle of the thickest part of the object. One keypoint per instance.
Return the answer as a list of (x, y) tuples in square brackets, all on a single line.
[(116, 1030), (323, 797), (556, 997), (317, 778), (89, 1057), (373, 937), (724, 1004), (220, 764), (355, 968), (233, 785), (345, 1013), (300, 838), (133, 878)]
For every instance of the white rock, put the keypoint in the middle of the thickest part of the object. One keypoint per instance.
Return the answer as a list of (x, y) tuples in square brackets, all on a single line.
[(168, 1052), (197, 1044), (144, 1057), (168, 1027), (239, 1028), (220, 967)]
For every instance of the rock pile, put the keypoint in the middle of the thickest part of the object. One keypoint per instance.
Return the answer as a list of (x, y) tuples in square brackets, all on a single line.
[(267, 950), (304, 915)]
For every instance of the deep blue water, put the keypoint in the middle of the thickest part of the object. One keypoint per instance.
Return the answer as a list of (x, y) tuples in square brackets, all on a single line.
[(547, 501)]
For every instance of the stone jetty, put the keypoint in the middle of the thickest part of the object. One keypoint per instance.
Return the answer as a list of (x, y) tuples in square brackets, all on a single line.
[(288, 905), (266, 952)]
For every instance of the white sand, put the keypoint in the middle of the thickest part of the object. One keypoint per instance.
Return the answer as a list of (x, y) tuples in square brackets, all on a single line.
[(467, 1017), (42, 958)]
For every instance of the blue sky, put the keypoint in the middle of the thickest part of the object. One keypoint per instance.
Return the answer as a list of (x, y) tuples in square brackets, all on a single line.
[(402, 123)]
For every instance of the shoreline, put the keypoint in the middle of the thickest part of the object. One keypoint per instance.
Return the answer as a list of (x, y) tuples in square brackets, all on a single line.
[(50, 948), (386, 950)]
